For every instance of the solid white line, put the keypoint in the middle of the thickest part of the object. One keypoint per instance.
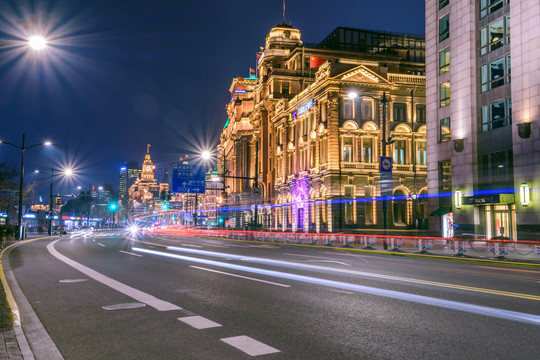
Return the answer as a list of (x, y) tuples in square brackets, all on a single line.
[(214, 245), (138, 295), (250, 346), (130, 253), (199, 322), (195, 246), (240, 276), (100, 244)]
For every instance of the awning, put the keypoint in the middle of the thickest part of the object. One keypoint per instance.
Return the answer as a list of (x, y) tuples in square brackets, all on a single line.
[(442, 211)]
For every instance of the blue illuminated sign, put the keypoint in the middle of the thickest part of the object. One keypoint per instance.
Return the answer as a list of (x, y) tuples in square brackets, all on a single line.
[(305, 107), (188, 179)]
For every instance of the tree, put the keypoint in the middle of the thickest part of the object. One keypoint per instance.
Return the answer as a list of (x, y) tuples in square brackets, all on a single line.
[(9, 183)]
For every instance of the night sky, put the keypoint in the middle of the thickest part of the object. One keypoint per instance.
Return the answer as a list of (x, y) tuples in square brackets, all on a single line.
[(120, 74)]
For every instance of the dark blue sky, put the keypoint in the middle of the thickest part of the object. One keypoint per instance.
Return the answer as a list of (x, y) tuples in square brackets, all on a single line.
[(120, 74)]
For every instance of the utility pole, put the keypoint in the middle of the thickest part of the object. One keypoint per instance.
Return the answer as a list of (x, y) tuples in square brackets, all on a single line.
[(384, 143), (256, 181)]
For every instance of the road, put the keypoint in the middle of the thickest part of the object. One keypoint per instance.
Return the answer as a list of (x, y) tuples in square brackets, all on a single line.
[(110, 296)]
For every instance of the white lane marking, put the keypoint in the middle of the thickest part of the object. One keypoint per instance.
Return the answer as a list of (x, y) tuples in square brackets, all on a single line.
[(331, 261), (199, 322), (195, 246), (129, 253), (240, 276), (342, 291), (315, 257), (420, 299), (138, 295), (250, 346), (214, 245), (100, 244)]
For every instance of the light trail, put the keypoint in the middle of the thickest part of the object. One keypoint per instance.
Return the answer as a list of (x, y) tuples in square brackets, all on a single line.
[(447, 304)]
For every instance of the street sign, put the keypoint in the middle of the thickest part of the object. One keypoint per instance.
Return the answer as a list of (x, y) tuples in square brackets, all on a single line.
[(256, 192), (188, 179), (386, 184), (224, 211), (386, 164)]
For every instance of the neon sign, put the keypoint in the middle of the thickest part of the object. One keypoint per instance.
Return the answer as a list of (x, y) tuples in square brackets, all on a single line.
[(305, 107)]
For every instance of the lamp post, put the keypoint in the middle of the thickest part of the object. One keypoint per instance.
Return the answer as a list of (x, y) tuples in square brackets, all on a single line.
[(385, 142), (23, 147), (66, 172)]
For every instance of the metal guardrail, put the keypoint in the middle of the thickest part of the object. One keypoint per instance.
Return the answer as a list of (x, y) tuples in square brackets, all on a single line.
[(494, 248)]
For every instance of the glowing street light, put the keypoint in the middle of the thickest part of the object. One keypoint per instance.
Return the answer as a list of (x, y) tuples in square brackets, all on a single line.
[(65, 172), (206, 155), (23, 147), (37, 42)]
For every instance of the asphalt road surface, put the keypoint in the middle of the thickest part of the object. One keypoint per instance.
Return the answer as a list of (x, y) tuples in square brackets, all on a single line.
[(111, 296)]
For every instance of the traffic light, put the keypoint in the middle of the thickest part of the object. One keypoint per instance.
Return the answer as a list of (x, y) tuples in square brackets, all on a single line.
[(58, 201), (113, 206), (163, 195), (165, 206)]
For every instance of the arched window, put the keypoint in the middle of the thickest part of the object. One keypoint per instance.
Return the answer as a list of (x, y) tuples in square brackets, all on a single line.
[(400, 208)]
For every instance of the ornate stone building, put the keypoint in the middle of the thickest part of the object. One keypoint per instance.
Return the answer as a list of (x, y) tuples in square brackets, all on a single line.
[(316, 125), (145, 190)]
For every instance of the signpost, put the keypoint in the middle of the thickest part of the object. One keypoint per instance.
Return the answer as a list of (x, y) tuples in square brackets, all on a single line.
[(386, 176), (188, 179)]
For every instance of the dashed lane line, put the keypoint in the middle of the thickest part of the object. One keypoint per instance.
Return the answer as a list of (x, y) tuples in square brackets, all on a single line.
[(249, 345), (199, 322), (129, 253)]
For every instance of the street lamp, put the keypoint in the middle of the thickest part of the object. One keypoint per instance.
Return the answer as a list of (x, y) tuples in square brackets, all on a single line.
[(37, 42), (66, 172), (23, 147)]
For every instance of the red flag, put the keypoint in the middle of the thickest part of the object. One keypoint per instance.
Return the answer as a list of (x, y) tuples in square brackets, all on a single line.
[(315, 61), (251, 71), (259, 56)]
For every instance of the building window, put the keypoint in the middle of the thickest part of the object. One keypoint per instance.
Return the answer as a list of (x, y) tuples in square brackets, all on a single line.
[(489, 7), (444, 27), (349, 206), (400, 112), (421, 153), (312, 155), (445, 94), (444, 61), (508, 68), (492, 37), (495, 115), (285, 87), (445, 177), (347, 149), (399, 208), (290, 164), (367, 109), (323, 150), (367, 150), (421, 114), (443, 3), (444, 130), (400, 152), (348, 108)]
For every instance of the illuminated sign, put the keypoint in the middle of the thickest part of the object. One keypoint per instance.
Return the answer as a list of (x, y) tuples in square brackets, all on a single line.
[(123, 168), (305, 107), (29, 216), (240, 91), (3, 215)]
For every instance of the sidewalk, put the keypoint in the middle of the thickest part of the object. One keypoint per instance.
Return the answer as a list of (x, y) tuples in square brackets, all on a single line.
[(9, 347)]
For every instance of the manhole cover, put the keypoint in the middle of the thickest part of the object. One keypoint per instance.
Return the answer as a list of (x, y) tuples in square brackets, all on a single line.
[(70, 281), (124, 306)]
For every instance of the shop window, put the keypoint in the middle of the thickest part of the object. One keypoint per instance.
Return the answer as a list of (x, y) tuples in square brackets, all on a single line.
[(444, 130), (444, 61), (444, 27)]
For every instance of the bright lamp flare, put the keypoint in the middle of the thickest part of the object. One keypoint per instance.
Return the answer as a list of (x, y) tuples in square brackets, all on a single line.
[(206, 155), (68, 172), (37, 42)]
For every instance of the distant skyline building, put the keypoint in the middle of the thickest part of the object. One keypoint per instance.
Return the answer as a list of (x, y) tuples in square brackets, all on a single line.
[(483, 134), (129, 173)]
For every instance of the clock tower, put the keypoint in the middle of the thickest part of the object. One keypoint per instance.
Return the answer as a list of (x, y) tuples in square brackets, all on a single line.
[(147, 175)]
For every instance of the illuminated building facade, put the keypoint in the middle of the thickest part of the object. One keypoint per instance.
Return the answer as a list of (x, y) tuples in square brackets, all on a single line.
[(129, 172), (318, 147), (236, 153), (145, 190), (484, 152)]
